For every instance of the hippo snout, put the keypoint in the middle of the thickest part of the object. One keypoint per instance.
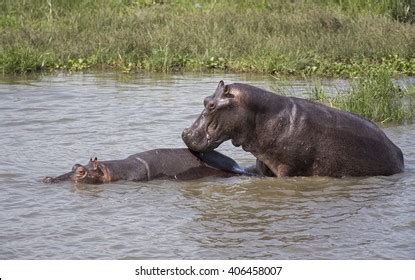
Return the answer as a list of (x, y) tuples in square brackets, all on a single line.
[(194, 139), (185, 133), (189, 136), (47, 180)]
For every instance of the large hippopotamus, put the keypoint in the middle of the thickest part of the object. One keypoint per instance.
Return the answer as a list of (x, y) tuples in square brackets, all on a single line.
[(180, 164), (292, 136)]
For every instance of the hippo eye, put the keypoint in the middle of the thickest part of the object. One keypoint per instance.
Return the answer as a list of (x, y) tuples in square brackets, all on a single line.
[(226, 89), (226, 92)]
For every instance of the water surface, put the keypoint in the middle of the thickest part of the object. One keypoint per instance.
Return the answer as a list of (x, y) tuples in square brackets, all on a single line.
[(48, 123)]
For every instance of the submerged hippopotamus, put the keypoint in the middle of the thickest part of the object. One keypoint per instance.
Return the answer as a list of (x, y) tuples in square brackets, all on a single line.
[(180, 164), (292, 136)]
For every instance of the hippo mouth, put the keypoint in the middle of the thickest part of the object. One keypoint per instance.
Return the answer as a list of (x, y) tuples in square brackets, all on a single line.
[(208, 133), (202, 140), (205, 134), (212, 141)]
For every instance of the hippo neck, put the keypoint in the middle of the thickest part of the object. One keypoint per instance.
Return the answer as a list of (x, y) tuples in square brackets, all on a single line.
[(268, 111)]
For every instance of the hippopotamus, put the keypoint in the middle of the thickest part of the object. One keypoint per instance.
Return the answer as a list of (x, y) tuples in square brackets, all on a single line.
[(180, 164), (292, 136)]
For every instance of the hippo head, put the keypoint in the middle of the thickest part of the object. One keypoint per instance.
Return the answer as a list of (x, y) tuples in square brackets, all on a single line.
[(223, 118), (92, 173)]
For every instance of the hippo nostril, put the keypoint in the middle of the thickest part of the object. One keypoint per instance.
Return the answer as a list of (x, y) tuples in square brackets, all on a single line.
[(47, 180), (185, 133)]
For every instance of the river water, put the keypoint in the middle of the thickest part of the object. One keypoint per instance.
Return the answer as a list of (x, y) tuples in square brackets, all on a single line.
[(48, 123)]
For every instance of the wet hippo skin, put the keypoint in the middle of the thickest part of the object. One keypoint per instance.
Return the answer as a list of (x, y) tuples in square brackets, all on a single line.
[(292, 136), (180, 164)]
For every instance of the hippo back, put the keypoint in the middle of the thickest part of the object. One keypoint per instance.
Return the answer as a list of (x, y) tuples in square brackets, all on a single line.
[(185, 164)]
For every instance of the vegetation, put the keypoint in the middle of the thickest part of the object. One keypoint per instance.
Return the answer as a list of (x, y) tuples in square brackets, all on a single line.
[(375, 97), (295, 37)]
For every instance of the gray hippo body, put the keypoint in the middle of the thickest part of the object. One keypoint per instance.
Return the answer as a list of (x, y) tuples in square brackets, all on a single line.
[(180, 164), (293, 136)]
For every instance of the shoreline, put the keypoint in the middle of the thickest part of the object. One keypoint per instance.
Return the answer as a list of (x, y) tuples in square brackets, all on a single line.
[(319, 39)]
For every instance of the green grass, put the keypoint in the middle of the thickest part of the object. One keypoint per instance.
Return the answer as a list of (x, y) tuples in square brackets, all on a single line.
[(375, 97), (288, 37), (401, 10)]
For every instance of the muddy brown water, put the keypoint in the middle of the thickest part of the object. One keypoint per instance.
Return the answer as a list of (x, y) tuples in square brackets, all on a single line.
[(48, 123)]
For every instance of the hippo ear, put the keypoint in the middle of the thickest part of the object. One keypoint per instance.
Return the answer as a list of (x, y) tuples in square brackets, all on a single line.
[(97, 166), (95, 163), (221, 84)]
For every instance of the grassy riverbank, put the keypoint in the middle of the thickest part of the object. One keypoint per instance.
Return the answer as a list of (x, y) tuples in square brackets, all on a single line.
[(321, 37), (375, 97)]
